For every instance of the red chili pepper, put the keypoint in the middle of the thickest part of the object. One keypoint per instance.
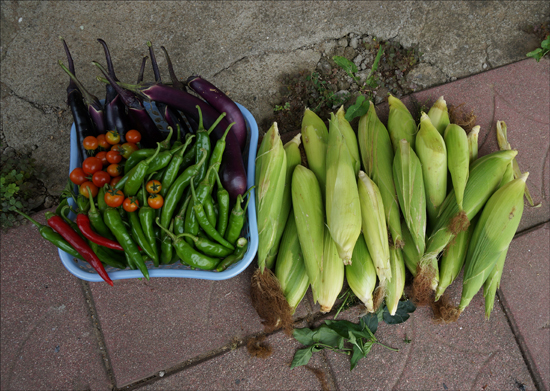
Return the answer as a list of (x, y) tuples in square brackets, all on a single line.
[(79, 244), (83, 222)]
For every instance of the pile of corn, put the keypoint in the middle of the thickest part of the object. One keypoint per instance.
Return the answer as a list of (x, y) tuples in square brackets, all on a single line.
[(375, 201)]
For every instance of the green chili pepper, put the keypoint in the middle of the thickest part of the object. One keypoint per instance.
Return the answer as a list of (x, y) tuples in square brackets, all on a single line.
[(210, 211), (242, 246), (137, 174), (178, 142), (136, 157), (115, 224), (179, 220), (162, 160), (101, 205), (82, 203), (203, 146), (166, 143), (236, 219), (188, 158), (166, 249), (97, 222), (64, 202), (139, 236), (107, 257), (223, 207), (171, 171), (217, 153), (205, 224), (147, 217), (189, 255), (209, 247)]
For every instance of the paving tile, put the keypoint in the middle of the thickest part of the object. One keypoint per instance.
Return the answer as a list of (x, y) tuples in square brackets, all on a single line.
[(524, 290), (48, 340), (238, 370), (471, 353)]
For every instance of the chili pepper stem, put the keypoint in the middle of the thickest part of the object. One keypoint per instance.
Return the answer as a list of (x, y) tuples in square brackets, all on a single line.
[(222, 115), (29, 218), (172, 236), (166, 142)]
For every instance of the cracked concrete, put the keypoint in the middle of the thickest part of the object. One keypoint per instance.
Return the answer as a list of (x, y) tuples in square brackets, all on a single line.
[(243, 47)]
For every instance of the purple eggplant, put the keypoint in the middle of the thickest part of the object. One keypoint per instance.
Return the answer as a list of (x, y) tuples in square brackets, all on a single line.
[(221, 103), (176, 83), (82, 122), (142, 69), (95, 108), (150, 134)]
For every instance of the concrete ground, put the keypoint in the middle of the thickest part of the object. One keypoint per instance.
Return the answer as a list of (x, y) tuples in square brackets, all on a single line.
[(58, 332)]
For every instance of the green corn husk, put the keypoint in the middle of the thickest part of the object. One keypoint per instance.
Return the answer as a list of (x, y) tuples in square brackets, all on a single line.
[(458, 159), (293, 158), (315, 139), (473, 143), (401, 124), (432, 153), (411, 256), (409, 184), (375, 231), (439, 115), (396, 285), (361, 274), (309, 214), (332, 274), (453, 259), (290, 268), (377, 157), (492, 283), (350, 138), (485, 177), (270, 180), (492, 235), (342, 197)]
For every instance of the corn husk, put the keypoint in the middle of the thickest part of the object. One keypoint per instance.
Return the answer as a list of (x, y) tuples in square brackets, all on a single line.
[(309, 213), (409, 184), (375, 231), (492, 235), (270, 180), (432, 153), (342, 198), (315, 138), (411, 256), (377, 158), (331, 274), (473, 143), (396, 285), (290, 268), (401, 124), (458, 159), (293, 158), (439, 115), (361, 274), (350, 138)]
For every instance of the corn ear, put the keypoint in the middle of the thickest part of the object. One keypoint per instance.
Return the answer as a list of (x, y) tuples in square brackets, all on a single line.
[(411, 256), (375, 231), (377, 157), (315, 138), (361, 274), (401, 124), (293, 158), (473, 143), (350, 138), (492, 235), (309, 214), (439, 115), (396, 285), (270, 180), (409, 184), (290, 268), (432, 153), (331, 274), (458, 159), (342, 197)]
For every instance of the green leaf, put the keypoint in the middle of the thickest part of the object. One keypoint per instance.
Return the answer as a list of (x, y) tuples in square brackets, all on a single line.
[(325, 335), (358, 109), (343, 327), (304, 336), (371, 321), (346, 65), (356, 356), (302, 357), (404, 309), (546, 43)]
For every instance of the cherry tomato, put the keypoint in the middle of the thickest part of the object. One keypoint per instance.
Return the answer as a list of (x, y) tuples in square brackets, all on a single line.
[(90, 143), (78, 176), (127, 149), (130, 204), (100, 178), (116, 147), (114, 198), (91, 165), (155, 201), (153, 186), (112, 137), (102, 142), (133, 136), (115, 170), (103, 157), (83, 189), (115, 180), (114, 157)]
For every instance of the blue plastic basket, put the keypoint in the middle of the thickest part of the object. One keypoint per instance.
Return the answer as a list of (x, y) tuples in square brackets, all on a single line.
[(84, 271)]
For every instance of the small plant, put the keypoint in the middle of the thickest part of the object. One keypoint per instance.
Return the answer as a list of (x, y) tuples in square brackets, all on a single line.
[(284, 107), (539, 53)]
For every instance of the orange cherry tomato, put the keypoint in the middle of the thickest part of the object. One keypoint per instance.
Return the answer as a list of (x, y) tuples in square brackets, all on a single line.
[(130, 204), (90, 143), (103, 157), (91, 165), (116, 147), (114, 198), (114, 157), (78, 176), (83, 189), (153, 186), (115, 170), (133, 136), (102, 142), (112, 137), (155, 201), (100, 178)]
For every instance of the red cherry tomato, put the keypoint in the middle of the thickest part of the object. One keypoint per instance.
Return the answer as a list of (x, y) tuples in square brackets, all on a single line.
[(78, 176), (114, 157), (130, 204), (91, 165), (153, 186), (115, 170), (114, 198), (116, 147), (83, 189), (100, 178), (103, 157), (155, 201), (112, 137), (90, 143), (115, 180), (103, 144), (133, 136)]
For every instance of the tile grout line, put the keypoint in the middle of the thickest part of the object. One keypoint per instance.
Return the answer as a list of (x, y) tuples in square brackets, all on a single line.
[(98, 332)]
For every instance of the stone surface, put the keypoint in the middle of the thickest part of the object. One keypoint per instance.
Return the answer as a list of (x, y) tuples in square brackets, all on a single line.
[(48, 339), (524, 288)]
